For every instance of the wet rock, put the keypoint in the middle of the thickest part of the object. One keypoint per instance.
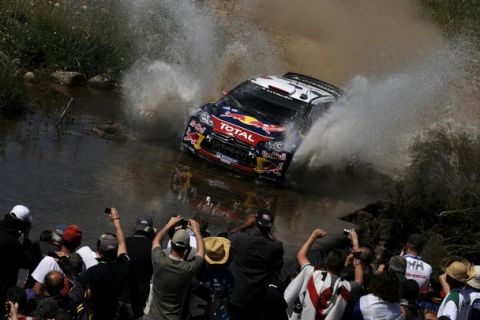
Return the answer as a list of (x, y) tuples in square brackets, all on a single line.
[(69, 78), (29, 76), (102, 81)]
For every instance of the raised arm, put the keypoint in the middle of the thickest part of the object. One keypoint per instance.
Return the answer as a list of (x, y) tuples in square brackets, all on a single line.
[(163, 232), (122, 244), (198, 236), (302, 253), (248, 223), (357, 263)]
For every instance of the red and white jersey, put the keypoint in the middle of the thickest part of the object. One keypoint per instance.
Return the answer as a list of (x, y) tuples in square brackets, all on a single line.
[(418, 270)]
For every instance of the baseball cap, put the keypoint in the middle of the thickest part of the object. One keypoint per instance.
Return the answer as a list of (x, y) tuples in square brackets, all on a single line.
[(264, 219), (417, 240), (475, 281), (72, 233), (181, 239), (21, 212), (144, 224), (107, 242), (461, 271)]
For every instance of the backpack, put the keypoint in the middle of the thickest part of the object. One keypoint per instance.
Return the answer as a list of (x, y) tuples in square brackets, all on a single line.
[(77, 292), (319, 296)]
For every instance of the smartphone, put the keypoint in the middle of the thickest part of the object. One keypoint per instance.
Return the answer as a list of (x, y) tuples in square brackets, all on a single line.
[(184, 223), (108, 210)]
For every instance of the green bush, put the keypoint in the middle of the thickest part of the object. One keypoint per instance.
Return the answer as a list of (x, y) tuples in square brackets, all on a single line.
[(89, 36), (11, 87), (441, 191)]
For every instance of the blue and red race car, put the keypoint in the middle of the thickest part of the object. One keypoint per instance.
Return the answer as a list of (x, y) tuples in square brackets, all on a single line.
[(257, 127)]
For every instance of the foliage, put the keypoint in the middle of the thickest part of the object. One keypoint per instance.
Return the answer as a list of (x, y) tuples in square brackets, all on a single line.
[(89, 36), (11, 87), (455, 15), (441, 191)]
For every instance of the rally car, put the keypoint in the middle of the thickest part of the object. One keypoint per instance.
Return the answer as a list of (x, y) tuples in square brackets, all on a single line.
[(257, 126)]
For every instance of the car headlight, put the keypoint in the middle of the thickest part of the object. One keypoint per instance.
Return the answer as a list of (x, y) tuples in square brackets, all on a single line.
[(275, 145), (206, 119)]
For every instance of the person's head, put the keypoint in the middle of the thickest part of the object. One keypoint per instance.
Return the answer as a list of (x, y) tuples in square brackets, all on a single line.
[(335, 261), (459, 273), (217, 250), (203, 225), (264, 220), (181, 241), (54, 282), (415, 243), (107, 247), (47, 309), (19, 218), (385, 285), (475, 281), (409, 290), (71, 237), (145, 226), (397, 264)]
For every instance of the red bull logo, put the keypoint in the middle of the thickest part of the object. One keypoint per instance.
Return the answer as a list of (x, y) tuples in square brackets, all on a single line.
[(191, 137), (251, 121)]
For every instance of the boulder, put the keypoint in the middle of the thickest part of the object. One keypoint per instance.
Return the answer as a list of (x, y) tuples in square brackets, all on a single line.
[(69, 78), (102, 81), (29, 76)]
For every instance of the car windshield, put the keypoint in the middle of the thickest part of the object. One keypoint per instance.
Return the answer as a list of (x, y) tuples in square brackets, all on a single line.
[(262, 102)]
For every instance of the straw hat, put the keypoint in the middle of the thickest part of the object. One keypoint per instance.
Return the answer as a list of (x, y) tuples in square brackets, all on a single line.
[(217, 250), (475, 281), (461, 271)]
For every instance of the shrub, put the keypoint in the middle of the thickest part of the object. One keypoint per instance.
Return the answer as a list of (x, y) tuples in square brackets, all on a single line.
[(11, 87)]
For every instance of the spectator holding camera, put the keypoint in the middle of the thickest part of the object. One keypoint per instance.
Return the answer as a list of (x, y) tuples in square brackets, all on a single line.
[(107, 279), (172, 274), (16, 248), (257, 257)]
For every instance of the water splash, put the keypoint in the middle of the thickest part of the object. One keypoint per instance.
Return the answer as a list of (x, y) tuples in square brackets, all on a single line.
[(375, 122)]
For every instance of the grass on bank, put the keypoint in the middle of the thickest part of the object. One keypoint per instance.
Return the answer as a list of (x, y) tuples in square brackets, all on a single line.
[(82, 35), (12, 93)]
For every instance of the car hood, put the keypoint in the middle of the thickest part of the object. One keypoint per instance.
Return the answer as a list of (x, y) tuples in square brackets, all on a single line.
[(244, 126)]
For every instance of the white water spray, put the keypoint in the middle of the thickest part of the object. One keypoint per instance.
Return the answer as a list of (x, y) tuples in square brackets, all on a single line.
[(375, 122)]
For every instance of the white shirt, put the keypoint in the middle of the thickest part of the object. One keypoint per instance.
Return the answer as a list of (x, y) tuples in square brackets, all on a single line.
[(418, 270), (454, 306), (88, 256), (374, 308), (44, 267)]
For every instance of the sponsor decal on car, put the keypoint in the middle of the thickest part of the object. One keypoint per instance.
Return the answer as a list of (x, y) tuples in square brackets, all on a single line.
[(274, 155), (251, 121), (197, 126)]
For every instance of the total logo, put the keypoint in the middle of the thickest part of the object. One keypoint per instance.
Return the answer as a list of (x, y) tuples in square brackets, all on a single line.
[(251, 121), (237, 132)]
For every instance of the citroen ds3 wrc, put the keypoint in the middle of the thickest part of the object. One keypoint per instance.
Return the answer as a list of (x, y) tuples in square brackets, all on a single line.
[(257, 126)]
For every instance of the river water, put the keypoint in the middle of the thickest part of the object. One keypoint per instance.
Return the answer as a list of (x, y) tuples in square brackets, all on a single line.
[(67, 174)]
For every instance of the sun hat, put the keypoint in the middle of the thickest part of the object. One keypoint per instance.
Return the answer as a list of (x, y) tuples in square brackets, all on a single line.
[(264, 218), (475, 281), (72, 233), (217, 250), (181, 239), (461, 271), (21, 212), (144, 224)]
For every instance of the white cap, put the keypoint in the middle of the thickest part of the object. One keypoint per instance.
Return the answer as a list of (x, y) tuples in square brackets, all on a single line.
[(21, 213)]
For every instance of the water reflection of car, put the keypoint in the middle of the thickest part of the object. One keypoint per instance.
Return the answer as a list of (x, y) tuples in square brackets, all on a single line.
[(246, 130), (211, 196)]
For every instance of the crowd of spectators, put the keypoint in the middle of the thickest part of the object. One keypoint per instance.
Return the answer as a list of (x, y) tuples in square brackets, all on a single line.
[(182, 272)]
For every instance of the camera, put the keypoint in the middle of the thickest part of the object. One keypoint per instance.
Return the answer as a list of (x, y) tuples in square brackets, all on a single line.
[(183, 223), (108, 210), (346, 231)]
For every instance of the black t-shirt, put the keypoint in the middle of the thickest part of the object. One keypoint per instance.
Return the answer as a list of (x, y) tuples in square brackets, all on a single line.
[(140, 252), (255, 260), (106, 281)]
